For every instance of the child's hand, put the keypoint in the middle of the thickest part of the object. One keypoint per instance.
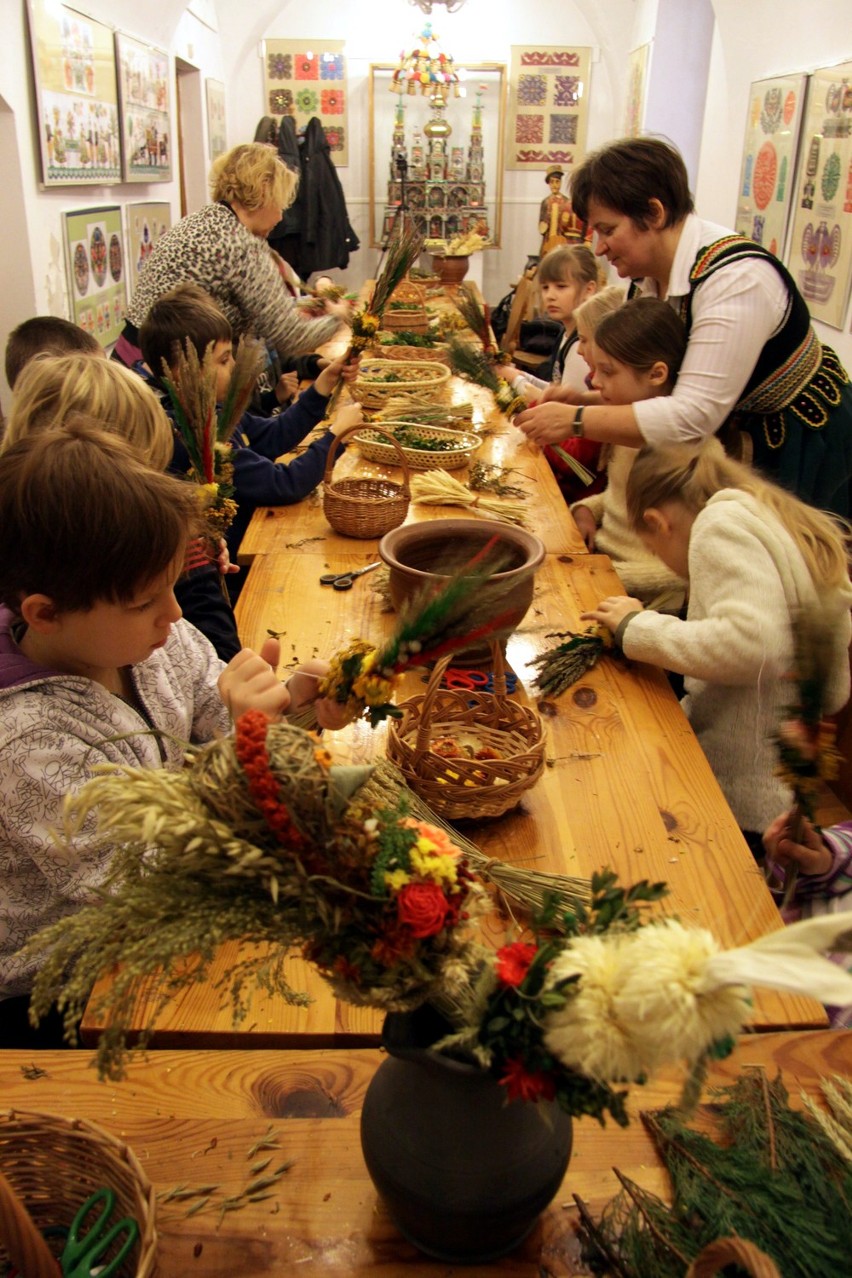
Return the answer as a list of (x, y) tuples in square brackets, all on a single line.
[(303, 686), (338, 370), (224, 559), (287, 387), (612, 611), (507, 371), (812, 856), (349, 415), (586, 526), (249, 682)]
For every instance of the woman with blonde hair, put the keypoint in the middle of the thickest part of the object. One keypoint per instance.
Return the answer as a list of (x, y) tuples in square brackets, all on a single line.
[(223, 248), (756, 558)]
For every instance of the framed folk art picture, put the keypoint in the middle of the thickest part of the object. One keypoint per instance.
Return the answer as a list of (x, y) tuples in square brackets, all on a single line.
[(145, 222), (307, 79), (768, 167), (637, 79), (819, 252), (76, 96), (217, 137), (97, 276), (548, 107), (144, 99)]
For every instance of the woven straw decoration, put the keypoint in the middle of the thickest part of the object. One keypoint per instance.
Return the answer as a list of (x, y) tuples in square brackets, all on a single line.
[(363, 507), (50, 1166), (420, 380), (468, 788), (717, 1255)]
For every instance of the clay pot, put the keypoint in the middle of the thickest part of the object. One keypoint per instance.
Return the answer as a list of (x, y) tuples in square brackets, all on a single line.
[(431, 551), (450, 270), (463, 1174)]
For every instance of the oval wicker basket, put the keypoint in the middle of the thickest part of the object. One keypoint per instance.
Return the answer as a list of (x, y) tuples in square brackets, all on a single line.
[(463, 788), (360, 506), (463, 447), (50, 1166), (406, 321), (417, 379), (438, 354)]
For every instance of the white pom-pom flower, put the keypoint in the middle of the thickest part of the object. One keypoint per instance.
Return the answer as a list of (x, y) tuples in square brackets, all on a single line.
[(643, 999)]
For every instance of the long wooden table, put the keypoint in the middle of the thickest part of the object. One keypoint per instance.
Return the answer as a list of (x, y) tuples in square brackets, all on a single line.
[(191, 1118), (627, 784)]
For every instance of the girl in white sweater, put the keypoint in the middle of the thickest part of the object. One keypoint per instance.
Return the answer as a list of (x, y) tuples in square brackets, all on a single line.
[(755, 557)]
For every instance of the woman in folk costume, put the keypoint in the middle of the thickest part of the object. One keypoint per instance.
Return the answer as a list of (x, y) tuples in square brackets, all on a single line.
[(754, 373)]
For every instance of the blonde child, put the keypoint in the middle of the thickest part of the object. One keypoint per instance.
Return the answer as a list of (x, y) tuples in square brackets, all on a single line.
[(592, 455), (51, 389), (755, 557), (566, 277), (635, 354)]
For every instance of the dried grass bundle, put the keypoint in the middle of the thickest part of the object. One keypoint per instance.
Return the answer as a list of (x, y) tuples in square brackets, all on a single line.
[(438, 488)]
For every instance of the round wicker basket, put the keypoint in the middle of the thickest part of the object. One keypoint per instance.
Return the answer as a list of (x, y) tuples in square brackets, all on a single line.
[(364, 507), (717, 1255), (49, 1167), (463, 446), (419, 380), (462, 788)]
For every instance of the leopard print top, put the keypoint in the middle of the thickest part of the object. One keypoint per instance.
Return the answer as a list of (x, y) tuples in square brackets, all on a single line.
[(212, 248)]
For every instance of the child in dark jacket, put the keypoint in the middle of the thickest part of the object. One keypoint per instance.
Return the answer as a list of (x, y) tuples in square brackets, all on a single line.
[(188, 314)]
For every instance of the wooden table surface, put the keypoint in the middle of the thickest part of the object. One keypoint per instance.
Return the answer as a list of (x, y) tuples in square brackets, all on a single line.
[(628, 787), (276, 529), (192, 1118)]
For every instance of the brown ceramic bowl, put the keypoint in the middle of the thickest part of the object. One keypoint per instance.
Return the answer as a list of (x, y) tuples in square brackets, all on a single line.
[(431, 550)]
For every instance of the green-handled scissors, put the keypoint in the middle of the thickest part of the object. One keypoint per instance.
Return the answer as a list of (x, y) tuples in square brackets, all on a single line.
[(85, 1251)]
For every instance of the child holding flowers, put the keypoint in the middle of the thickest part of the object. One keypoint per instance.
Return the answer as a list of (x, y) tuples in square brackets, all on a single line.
[(756, 558)]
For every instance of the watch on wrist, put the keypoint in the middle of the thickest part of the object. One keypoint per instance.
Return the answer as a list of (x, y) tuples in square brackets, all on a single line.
[(577, 430)]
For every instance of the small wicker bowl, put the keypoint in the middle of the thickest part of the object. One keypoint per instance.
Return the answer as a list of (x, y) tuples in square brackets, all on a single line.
[(51, 1165), (364, 507), (415, 320), (413, 379), (375, 449), (463, 788), (438, 354)]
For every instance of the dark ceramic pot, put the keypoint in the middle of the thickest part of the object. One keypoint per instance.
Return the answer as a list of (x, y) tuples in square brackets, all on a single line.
[(463, 1174), (414, 553), (450, 270)]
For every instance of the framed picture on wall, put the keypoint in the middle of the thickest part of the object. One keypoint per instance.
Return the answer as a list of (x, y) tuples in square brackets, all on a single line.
[(145, 222), (144, 101), (76, 96), (307, 79), (548, 107), (97, 278), (775, 109), (819, 253), (637, 78), (217, 138)]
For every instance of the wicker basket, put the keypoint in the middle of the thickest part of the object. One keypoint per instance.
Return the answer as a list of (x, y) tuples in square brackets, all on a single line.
[(717, 1255), (49, 1167), (411, 318), (374, 449), (419, 380), (413, 354), (364, 507), (464, 788)]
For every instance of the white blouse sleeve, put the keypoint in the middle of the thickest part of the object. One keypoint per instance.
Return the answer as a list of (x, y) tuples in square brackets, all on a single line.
[(735, 312)]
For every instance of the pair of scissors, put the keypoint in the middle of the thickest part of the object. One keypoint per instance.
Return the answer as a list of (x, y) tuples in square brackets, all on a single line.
[(344, 580), (476, 680), (86, 1249)]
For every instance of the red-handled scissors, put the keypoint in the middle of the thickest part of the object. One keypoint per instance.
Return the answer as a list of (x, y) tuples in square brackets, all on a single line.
[(466, 680)]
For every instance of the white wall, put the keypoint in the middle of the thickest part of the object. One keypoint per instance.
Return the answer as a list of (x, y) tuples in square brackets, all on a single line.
[(751, 40)]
